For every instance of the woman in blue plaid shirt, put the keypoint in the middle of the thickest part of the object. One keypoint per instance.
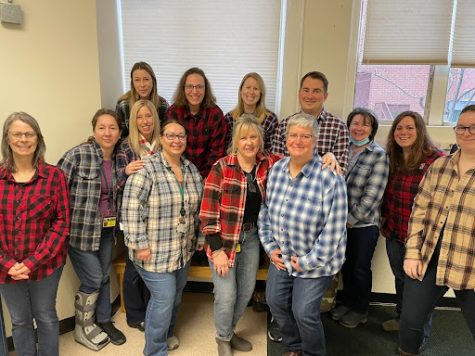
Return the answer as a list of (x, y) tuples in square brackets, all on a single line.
[(366, 180)]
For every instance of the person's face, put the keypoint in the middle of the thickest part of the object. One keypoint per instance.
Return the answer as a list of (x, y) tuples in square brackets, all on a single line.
[(194, 90), (143, 83), (250, 92), (360, 128), (106, 132), (312, 96), (173, 140), (248, 143), (300, 143), (405, 133), (22, 139), (466, 141), (145, 123)]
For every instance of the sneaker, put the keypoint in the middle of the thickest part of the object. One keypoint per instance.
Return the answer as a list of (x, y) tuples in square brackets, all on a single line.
[(240, 344), (115, 335), (338, 312), (172, 343), (140, 326), (273, 331), (352, 319), (391, 325)]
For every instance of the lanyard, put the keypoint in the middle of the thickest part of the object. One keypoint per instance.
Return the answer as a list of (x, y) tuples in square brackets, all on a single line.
[(181, 188)]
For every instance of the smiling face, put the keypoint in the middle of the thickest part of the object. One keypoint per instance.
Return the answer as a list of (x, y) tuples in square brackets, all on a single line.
[(194, 91), (143, 83), (250, 93), (405, 133), (248, 143), (300, 143), (173, 139), (312, 95), (106, 132), (145, 123), (466, 141), (360, 127), (22, 140)]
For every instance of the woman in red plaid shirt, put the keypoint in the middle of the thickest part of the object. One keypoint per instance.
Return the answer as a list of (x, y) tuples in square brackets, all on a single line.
[(410, 152), (232, 197), (34, 215)]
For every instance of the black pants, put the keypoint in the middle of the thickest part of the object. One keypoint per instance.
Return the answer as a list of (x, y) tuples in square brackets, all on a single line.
[(420, 299), (136, 294)]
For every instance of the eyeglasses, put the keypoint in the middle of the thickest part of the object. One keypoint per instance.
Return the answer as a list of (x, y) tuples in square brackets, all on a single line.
[(172, 137), (460, 129), (305, 138), (18, 135), (190, 87)]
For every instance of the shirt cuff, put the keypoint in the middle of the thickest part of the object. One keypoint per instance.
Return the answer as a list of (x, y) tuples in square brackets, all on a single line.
[(214, 241)]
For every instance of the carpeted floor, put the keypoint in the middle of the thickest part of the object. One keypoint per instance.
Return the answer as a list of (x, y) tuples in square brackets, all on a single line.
[(450, 336)]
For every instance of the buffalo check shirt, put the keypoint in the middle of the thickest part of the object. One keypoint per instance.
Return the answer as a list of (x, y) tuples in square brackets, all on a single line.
[(333, 136), (445, 202), (305, 217), (34, 222), (224, 200), (150, 214), (206, 141)]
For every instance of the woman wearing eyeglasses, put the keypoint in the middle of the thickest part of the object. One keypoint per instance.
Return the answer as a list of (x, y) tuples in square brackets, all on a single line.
[(195, 108), (34, 216), (440, 243), (161, 227), (233, 193)]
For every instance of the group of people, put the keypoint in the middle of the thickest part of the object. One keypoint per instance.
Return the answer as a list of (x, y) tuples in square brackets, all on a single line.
[(314, 192)]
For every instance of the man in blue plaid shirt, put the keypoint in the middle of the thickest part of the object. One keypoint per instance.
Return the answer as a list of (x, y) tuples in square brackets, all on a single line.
[(302, 226)]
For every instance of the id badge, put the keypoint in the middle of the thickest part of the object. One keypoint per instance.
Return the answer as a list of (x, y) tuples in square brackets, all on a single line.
[(182, 226), (110, 221), (238, 248)]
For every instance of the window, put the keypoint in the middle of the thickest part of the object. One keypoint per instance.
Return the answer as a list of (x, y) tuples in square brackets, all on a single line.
[(227, 39), (413, 54)]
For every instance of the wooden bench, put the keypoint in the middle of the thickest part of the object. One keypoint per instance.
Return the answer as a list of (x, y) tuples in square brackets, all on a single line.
[(195, 274)]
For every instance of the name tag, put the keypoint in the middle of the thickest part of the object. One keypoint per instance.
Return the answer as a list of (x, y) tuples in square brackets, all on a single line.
[(238, 248), (110, 221)]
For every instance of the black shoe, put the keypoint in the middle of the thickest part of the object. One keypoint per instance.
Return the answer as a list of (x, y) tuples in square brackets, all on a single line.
[(140, 326), (116, 336), (274, 332)]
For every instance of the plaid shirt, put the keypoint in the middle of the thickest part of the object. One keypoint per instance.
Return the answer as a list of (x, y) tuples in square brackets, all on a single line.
[(269, 126), (333, 136), (124, 156), (82, 166), (224, 200), (398, 199), (150, 211), (445, 199), (206, 135), (366, 179), (34, 222), (305, 217)]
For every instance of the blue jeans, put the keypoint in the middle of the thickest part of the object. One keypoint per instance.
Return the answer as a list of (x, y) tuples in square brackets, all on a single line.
[(295, 305), (233, 292), (28, 300), (136, 294), (356, 271), (421, 297), (93, 269), (166, 290), (396, 252)]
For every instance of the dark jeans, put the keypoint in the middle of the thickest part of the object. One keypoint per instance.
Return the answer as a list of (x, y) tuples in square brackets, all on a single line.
[(295, 304), (420, 299), (356, 271), (136, 294)]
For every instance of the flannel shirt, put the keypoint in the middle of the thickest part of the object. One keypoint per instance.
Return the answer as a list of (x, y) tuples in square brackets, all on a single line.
[(333, 136), (82, 167), (34, 222), (366, 180), (224, 200), (206, 132), (124, 156), (445, 199), (123, 110), (305, 217), (269, 125), (398, 199), (150, 211)]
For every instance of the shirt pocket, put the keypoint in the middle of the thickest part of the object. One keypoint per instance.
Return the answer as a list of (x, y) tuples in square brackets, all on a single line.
[(230, 195), (40, 207)]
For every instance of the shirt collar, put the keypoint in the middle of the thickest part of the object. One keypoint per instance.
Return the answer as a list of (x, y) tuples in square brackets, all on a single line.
[(40, 172), (309, 167), (183, 160)]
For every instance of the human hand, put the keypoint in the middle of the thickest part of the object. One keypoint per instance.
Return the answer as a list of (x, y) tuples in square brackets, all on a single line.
[(220, 261), (295, 264), (413, 268), (329, 160), (134, 167), (19, 272), (276, 259), (143, 254)]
